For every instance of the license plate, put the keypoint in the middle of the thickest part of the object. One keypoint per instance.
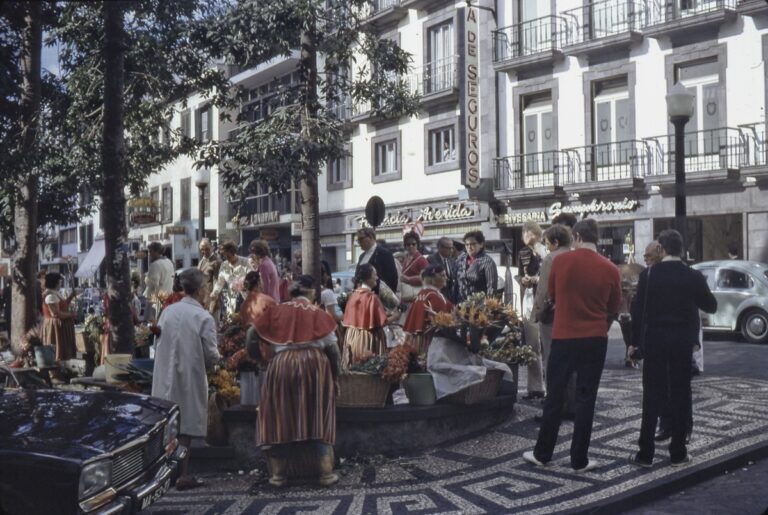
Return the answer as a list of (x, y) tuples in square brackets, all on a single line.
[(156, 494)]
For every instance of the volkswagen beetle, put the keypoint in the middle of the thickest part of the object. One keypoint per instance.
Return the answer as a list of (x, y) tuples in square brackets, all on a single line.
[(741, 289)]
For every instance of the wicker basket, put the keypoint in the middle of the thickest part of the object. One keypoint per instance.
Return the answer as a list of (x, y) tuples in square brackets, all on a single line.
[(362, 391), (487, 389)]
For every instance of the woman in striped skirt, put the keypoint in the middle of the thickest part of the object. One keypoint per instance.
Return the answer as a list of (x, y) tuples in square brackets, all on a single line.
[(364, 319), (298, 398), (58, 321)]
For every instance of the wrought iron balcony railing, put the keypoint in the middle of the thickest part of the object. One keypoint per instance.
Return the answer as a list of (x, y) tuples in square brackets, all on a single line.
[(539, 170), (435, 77), (529, 38), (660, 11), (617, 160), (341, 108), (723, 148), (603, 19)]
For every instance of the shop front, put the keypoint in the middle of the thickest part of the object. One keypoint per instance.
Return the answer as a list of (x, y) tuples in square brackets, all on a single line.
[(282, 232)]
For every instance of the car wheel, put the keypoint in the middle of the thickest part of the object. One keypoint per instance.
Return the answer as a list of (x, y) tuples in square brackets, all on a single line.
[(754, 326)]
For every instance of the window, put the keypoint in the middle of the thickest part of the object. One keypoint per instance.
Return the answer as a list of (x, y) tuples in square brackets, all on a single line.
[(612, 122), (386, 157), (167, 205), (538, 137), (68, 236), (204, 124), (339, 175), (702, 79), (86, 237), (186, 129), (442, 145), (439, 71), (733, 280), (535, 26), (207, 201), (186, 198)]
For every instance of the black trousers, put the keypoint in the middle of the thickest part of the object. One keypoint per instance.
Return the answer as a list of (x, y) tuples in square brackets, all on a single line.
[(667, 391), (585, 357)]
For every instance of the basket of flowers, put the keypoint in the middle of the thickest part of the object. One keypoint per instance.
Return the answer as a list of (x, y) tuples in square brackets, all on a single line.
[(363, 386), (237, 361)]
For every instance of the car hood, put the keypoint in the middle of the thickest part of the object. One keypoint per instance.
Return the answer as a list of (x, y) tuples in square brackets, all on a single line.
[(74, 424)]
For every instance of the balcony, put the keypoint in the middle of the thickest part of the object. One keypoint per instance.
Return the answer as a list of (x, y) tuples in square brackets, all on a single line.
[(542, 171), (676, 18), (752, 7), (419, 4), (383, 13), (605, 26), (435, 81), (714, 154), (530, 44), (342, 109)]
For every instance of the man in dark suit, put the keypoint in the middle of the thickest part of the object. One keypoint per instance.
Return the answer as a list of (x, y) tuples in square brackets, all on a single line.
[(379, 257), (444, 258), (665, 324)]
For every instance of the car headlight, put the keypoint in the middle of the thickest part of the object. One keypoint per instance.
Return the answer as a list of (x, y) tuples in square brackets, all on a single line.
[(171, 430), (95, 477)]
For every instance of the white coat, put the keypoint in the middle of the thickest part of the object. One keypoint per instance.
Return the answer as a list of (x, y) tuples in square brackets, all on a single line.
[(185, 349)]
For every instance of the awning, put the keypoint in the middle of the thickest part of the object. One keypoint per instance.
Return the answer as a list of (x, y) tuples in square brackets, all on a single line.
[(92, 260)]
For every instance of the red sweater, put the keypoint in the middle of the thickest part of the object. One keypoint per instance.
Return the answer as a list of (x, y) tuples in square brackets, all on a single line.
[(586, 288)]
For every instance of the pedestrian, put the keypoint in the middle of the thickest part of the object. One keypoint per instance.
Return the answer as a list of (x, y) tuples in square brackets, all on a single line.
[(665, 318), (159, 278), (445, 258), (377, 256), (262, 263), (586, 290), (327, 294), (475, 270), (413, 264), (209, 262), (185, 350), (529, 265), (429, 301), (558, 240), (231, 276), (58, 320), (298, 400), (364, 319), (630, 275)]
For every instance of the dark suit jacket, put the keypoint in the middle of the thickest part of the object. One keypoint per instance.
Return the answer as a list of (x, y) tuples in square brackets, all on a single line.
[(675, 294), (450, 287), (384, 264)]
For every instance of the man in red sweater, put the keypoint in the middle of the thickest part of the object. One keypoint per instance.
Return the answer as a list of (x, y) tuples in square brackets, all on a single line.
[(586, 289)]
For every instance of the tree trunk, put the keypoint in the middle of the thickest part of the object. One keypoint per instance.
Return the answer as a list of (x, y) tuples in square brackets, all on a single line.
[(113, 196), (24, 314), (310, 209)]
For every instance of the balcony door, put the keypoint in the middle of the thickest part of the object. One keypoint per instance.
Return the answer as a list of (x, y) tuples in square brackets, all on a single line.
[(704, 134), (535, 28), (613, 151), (538, 136), (439, 71)]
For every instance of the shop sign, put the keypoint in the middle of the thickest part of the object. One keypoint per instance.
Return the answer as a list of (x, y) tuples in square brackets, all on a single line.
[(596, 207), (175, 229), (471, 168), (269, 217), (268, 234), (520, 217), (428, 214)]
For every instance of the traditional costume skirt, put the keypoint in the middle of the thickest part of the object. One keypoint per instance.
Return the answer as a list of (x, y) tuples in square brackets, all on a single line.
[(359, 342), (419, 341), (61, 333), (297, 399)]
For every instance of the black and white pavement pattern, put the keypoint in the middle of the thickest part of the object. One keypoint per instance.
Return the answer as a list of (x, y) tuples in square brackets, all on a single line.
[(487, 474)]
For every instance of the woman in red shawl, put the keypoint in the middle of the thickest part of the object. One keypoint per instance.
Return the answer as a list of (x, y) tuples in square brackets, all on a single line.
[(298, 396), (256, 302), (428, 302), (364, 319)]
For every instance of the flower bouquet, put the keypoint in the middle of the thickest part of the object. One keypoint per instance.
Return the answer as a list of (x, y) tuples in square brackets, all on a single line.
[(142, 336), (401, 361), (508, 349), (232, 347), (369, 363)]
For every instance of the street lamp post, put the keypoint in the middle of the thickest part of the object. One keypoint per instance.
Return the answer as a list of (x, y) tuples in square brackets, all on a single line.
[(680, 104), (202, 179)]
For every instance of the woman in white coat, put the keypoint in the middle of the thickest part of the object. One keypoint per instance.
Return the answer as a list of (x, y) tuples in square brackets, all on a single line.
[(185, 350)]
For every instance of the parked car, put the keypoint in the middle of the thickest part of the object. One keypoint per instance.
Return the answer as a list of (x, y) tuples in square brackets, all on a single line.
[(741, 289), (84, 452), (347, 279)]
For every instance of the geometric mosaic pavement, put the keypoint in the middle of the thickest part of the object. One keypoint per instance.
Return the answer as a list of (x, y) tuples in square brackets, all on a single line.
[(486, 474)]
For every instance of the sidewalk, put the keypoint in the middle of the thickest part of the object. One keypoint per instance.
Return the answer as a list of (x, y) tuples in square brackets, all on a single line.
[(486, 474)]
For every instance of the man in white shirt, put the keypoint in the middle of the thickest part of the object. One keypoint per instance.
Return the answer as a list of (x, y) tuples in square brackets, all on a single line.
[(160, 274)]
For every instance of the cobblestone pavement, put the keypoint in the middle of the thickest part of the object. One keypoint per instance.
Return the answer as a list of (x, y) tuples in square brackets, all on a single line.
[(486, 474)]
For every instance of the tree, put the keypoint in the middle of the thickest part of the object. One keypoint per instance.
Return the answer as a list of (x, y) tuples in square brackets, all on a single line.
[(291, 145), (151, 58)]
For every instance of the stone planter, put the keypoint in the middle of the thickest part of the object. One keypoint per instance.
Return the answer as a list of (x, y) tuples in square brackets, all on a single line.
[(420, 389)]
